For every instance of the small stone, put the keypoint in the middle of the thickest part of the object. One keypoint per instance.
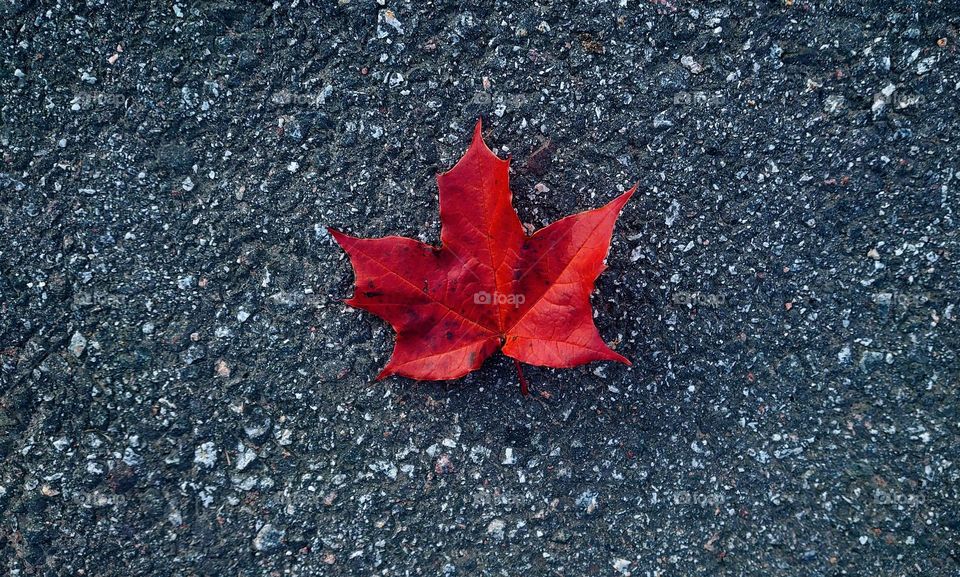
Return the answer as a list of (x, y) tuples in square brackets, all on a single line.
[(131, 458), (871, 361), (205, 454), (443, 466), (385, 467), (833, 103), (148, 328), (690, 64), (478, 453), (245, 456), (222, 369), (283, 437), (389, 18), (622, 566), (193, 354), (884, 299), (844, 355), (78, 344), (672, 213), (257, 430), (495, 529), (874, 254), (661, 120), (268, 538), (242, 316), (187, 184), (588, 500)]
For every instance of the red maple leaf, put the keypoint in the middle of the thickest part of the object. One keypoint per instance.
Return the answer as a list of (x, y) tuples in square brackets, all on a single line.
[(489, 285)]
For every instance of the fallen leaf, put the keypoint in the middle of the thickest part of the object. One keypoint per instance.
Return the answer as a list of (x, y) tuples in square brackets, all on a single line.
[(490, 285)]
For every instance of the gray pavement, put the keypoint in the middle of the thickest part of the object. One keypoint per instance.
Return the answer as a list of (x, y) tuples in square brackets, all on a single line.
[(183, 393)]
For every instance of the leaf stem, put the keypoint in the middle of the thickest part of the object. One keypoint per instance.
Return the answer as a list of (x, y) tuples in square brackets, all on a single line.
[(524, 390)]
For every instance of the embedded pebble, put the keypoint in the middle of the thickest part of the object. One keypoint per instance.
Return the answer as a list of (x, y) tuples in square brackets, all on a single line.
[(205, 454), (268, 538), (78, 344)]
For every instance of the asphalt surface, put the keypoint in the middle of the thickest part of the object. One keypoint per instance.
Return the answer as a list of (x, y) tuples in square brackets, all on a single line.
[(182, 391)]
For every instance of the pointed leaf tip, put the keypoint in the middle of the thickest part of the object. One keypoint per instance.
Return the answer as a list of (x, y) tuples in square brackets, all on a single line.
[(628, 194), (338, 237), (478, 130)]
